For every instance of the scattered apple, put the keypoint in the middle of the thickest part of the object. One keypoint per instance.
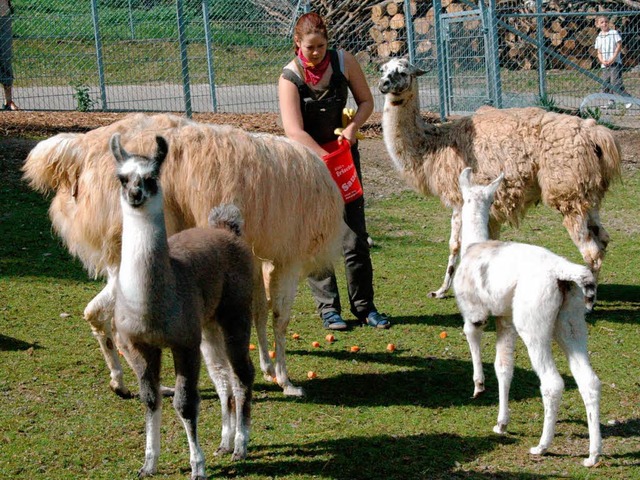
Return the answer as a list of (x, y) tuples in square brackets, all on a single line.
[(252, 346), (295, 336), (355, 348), (391, 347), (443, 334), (315, 344), (311, 374), (330, 338), (272, 354)]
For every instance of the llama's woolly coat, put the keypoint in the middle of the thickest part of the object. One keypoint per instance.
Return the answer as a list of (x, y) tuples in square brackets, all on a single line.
[(291, 206), (564, 161)]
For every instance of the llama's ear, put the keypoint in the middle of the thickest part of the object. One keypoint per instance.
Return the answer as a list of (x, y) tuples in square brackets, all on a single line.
[(493, 186), (119, 153), (161, 150), (419, 72), (465, 178)]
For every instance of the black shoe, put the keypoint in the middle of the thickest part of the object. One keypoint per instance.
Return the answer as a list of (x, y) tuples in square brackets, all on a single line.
[(333, 321), (377, 320)]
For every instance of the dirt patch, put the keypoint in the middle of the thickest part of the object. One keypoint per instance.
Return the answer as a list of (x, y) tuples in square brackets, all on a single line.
[(19, 132)]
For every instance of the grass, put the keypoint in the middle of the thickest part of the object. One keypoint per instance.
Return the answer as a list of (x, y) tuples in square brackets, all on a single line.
[(370, 415)]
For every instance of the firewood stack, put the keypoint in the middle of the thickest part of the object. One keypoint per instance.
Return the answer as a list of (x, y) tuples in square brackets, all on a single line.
[(572, 37)]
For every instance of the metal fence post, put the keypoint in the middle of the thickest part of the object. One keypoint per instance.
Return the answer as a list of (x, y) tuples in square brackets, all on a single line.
[(131, 27), (411, 41), (493, 55), (100, 60), (210, 67), (441, 60), (542, 77), (182, 38)]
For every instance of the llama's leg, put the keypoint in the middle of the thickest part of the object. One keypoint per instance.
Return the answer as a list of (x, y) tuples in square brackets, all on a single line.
[(186, 402), (241, 377), (283, 284), (454, 252), (473, 332), (571, 335), (213, 351), (504, 364), (591, 249), (260, 319), (99, 313), (147, 366), (537, 338)]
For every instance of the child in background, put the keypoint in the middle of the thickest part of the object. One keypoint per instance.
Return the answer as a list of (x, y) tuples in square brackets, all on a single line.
[(609, 45)]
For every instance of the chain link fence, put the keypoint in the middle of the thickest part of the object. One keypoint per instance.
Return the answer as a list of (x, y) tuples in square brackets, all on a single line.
[(226, 56)]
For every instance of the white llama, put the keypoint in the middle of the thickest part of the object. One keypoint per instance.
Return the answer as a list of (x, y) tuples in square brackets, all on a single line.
[(189, 293), (535, 294), (561, 160)]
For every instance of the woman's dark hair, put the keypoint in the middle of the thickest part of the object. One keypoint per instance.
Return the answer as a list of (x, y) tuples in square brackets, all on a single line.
[(309, 23)]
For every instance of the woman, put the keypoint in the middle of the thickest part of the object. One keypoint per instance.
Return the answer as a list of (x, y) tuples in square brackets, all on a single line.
[(313, 91)]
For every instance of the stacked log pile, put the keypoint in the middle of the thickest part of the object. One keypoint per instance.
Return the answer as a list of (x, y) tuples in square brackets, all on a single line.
[(571, 36)]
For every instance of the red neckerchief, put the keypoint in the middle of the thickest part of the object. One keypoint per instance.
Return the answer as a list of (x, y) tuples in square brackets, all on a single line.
[(313, 74)]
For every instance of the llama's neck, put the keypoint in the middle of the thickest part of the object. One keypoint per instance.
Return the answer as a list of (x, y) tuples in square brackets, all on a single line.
[(404, 130), (475, 226), (145, 271)]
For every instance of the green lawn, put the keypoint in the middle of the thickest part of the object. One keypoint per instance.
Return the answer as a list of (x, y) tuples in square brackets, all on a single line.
[(369, 415)]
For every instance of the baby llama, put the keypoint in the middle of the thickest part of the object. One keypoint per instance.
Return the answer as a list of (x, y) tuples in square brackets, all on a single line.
[(535, 294), (189, 293)]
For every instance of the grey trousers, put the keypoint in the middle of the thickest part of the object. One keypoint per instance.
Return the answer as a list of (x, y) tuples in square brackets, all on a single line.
[(612, 75), (357, 262)]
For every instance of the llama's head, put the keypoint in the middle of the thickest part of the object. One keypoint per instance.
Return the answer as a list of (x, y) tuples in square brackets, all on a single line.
[(398, 76), (477, 199), (138, 175)]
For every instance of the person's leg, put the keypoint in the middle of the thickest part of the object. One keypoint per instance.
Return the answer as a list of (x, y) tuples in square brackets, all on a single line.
[(616, 80)]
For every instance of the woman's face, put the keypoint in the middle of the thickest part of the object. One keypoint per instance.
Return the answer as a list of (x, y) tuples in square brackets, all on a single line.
[(313, 47)]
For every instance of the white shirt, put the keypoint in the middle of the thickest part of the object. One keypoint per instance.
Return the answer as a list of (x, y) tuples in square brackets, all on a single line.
[(606, 44)]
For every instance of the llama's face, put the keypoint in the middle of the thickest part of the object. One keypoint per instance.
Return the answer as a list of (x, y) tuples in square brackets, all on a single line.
[(397, 76), (138, 179), (138, 175)]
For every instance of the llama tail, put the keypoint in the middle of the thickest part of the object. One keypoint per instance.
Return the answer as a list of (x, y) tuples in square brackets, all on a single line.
[(54, 163), (581, 276), (227, 216)]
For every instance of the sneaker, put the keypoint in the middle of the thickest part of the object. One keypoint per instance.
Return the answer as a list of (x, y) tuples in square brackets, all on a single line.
[(628, 105), (10, 106), (333, 321), (377, 320)]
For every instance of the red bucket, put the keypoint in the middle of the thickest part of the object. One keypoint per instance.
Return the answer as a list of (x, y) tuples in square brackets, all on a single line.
[(343, 171)]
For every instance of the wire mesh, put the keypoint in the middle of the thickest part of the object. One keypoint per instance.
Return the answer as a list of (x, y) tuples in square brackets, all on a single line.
[(226, 56)]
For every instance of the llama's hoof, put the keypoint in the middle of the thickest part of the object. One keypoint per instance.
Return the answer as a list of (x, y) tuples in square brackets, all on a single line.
[(222, 450), (539, 450), (592, 461), (478, 392), (145, 472), (167, 391), (500, 429), (436, 294), (291, 391), (121, 391), (198, 477), (238, 456)]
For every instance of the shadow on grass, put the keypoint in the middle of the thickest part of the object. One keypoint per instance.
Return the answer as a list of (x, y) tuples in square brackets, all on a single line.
[(10, 344), (428, 382), (373, 457)]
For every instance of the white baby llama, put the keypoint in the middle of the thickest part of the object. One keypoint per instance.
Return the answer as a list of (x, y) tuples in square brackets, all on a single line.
[(291, 207), (191, 290), (561, 160), (535, 294)]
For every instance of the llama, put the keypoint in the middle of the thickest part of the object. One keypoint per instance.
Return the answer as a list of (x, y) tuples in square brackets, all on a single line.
[(534, 294), (291, 207), (561, 160), (190, 292)]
